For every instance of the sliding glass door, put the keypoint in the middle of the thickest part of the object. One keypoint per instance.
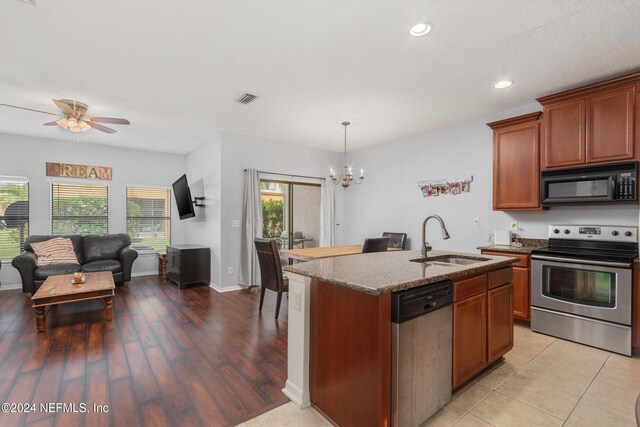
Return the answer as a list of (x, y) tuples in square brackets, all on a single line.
[(291, 213)]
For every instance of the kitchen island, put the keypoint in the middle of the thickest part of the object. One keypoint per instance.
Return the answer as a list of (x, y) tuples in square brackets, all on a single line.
[(339, 348)]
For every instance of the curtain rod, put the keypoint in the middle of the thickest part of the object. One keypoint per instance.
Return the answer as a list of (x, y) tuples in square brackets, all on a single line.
[(288, 174)]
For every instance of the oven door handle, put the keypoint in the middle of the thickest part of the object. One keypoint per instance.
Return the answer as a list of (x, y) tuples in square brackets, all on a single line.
[(582, 261)]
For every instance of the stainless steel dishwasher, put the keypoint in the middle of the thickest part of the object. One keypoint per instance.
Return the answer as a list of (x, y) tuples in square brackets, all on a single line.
[(421, 332)]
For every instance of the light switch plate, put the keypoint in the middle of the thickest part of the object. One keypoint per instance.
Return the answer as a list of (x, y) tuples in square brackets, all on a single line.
[(235, 223), (296, 300)]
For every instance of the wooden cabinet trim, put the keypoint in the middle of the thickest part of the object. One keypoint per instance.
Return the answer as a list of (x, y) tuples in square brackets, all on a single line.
[(512, 121), (584, 91), (522, 293), (465, 288)]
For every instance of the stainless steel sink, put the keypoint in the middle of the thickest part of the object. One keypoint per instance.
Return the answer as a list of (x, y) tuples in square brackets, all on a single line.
[(451, 260)]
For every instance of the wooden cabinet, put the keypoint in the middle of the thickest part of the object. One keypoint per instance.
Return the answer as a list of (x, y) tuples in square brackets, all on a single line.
[(482, 322), (516, 169), (564, 134), (521, 284), (610, 125), (188, 265), (469, 338), (499, 321), (594, 124)]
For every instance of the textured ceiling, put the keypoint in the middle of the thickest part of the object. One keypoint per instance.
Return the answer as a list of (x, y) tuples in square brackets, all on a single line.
[(174, 68)]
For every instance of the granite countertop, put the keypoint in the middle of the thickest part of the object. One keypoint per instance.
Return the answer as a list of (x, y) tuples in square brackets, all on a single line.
[(527, 246), (385, 272)]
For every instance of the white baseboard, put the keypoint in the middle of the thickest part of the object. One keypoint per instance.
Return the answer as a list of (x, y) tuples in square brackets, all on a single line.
[(145, 273), (10, 287), (296, 395), (221, 289)]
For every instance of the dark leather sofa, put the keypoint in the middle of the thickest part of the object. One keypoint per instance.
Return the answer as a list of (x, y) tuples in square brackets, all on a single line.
[(110, 252)]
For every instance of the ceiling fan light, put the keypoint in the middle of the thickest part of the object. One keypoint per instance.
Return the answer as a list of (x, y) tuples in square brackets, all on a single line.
[(63, 123), (83, 126), (72, 123)]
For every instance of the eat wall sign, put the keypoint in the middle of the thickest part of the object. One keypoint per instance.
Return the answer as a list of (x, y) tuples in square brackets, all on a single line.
[(67, 170)]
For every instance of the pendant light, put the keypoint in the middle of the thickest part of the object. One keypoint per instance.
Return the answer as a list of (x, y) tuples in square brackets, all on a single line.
[(347, 175)]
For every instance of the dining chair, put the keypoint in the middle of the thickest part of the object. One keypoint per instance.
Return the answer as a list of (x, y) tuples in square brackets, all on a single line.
[(375, 244), (270, 271), (396, 240)]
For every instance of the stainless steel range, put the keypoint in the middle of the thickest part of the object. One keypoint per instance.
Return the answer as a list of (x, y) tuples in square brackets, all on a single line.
[(581, 285)]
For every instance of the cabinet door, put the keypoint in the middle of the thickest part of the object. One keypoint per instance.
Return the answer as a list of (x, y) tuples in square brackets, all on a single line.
[(516, 167), (610, 125), (564, 134), (500, 321), (469, 338), (521, 293)]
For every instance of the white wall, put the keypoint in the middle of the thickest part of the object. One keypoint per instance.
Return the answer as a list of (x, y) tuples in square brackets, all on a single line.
[(241, 152), (390, 200), (204, 175), (27, 156)]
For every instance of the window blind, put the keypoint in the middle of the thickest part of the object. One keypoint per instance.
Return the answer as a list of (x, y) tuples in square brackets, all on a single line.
[(14, 215), (149, 217), (79, 209)]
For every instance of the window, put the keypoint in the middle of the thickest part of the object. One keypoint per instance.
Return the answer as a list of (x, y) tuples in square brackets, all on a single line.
[(79, 209), (149, 217), (14, 215)]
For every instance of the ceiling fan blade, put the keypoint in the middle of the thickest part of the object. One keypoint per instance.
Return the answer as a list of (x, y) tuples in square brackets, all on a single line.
[(29, 109), (101, 128), (53, 123), (64, 107), (109, 120)]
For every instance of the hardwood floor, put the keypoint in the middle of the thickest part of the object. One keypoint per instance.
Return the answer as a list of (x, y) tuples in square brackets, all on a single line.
[(187, 358)]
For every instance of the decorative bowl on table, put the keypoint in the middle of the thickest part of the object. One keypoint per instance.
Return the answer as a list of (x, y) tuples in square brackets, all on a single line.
[(78, 278)]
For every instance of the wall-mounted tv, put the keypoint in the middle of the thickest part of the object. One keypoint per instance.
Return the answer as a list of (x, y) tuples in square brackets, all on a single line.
[(183, 198)]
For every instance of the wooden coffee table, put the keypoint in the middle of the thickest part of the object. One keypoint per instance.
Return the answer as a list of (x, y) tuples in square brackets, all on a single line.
[(59, 290)]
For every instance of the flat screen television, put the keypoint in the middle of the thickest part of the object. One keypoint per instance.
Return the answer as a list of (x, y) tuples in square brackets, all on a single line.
[(183, 198)]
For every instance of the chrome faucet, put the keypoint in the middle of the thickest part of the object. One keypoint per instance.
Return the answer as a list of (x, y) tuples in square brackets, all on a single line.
[(425, 245)]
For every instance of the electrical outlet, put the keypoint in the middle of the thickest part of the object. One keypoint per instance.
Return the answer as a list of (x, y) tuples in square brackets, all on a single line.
[(296, 300), (235, 223), (230, 271), (476, 220), (513, 226)]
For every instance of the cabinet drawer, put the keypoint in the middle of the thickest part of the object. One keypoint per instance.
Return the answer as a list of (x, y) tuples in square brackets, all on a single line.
[(465, 288), (523, 259), (500, 277)]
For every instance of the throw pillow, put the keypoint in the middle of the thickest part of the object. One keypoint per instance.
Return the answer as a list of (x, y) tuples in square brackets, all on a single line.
[(58, 250)]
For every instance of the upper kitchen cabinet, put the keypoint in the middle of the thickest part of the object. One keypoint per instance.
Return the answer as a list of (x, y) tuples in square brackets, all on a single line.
[(516, 166), (594, 124)]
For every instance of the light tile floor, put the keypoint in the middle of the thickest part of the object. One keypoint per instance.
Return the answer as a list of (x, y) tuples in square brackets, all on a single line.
[(542, 381)]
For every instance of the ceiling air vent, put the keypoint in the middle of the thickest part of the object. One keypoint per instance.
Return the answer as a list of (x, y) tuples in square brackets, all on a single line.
[(246, 98), (33, 2)]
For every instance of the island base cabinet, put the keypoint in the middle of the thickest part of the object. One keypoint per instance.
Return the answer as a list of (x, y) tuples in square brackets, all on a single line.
[(500, 322), (350, 355), (469, 338)]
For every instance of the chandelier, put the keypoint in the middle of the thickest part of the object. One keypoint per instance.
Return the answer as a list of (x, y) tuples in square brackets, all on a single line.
[(347, 175)]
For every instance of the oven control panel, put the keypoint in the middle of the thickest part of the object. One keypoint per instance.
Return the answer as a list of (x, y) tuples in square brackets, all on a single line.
[(610, 233)]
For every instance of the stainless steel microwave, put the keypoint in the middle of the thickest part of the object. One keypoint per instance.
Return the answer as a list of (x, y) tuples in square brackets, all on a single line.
[(592, 184)]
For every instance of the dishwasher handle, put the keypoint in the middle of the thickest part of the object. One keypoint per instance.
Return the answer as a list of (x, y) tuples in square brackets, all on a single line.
[(412, 303)]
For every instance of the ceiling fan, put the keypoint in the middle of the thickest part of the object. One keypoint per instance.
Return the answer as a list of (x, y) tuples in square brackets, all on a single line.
[(73, 117)]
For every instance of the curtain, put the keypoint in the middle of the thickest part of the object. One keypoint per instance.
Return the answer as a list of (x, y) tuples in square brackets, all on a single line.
[(251, 228), (327, 214)]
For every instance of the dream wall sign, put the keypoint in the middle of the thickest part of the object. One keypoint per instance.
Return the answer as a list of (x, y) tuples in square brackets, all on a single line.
[(66, 170)]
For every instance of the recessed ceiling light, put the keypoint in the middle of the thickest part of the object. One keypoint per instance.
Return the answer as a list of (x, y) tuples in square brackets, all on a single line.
[(503, 84), (420, 30)]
